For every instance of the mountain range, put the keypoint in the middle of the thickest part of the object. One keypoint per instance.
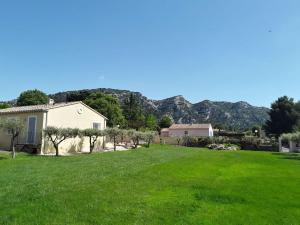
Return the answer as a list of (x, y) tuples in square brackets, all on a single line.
[(240, 115)]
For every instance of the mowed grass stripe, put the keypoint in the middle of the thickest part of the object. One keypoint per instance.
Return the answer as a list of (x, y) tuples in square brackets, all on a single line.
[(160, 185)]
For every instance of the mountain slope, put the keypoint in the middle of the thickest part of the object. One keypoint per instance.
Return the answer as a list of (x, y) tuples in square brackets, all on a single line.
[(239, 115)]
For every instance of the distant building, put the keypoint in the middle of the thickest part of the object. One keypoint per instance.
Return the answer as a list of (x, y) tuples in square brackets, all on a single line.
[(193, 130), (164, 132)]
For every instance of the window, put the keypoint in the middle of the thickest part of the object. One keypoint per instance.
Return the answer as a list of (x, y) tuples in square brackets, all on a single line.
[(186, 132), (97, 126)]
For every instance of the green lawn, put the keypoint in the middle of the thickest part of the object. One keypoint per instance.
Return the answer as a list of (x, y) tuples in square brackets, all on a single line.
[(161, 185)]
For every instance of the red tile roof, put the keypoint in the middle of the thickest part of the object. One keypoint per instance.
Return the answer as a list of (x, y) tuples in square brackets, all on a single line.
[(190, 126), (35, 108)]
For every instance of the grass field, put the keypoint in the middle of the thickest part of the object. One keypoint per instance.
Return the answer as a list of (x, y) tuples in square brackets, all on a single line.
[(160, 185)]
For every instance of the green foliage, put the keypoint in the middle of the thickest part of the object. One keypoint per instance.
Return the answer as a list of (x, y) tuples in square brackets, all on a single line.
[(148, 137), (165, 122), (108, 106), (93, 135), (4, 105), (14, 127), (291, 137), (283, 117), (135, 136), (250, 142), (32, 97), (58, 135), (114, 134), (220, 126), (133, 112), (151, 122), (78, 96)]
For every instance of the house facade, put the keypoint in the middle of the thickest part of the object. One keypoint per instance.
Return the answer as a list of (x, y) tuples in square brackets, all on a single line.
[(62, 115), (192, 130)]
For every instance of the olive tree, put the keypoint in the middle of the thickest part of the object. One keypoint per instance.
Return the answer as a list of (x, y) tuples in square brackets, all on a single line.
[(14, 127), (93, 135), (58, 135), (148, 137), (113, 134), (135, 136)]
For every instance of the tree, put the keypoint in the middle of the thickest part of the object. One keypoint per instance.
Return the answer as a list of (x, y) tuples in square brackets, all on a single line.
[(32, 97), (165, 122), (296, 115), (4, 106), (14, 127), (282, 117), (149, 137), (133, 112), (135, 136), (58, 135), (93, 135), (108, 106), (151, 122), (220, 127), (114, 134)]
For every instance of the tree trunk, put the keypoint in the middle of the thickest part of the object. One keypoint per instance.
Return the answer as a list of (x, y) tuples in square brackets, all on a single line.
[(91, 146), (56, 150), (13, 154), (115, 147)]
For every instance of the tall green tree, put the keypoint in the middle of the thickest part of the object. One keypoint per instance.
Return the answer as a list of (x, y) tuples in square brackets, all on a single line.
[(133, 112), (282, 117), (165, 122), (296, 115), (151, 122), (108, 106), (32, 97)]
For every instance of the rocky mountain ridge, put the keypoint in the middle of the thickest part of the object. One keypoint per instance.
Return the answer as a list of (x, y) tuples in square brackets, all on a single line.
[(239, 115)]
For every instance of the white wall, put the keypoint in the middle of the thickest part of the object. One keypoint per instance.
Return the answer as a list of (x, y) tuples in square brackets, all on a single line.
[(191, 132), (73, 116)]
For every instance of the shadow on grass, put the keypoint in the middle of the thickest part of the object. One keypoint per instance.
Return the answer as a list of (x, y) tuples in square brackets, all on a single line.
[(206, 194), (2, 158), (290, 156)]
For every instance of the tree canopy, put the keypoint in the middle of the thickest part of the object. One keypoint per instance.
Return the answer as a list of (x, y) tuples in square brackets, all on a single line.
[(151, 122), (165, 122), (108, 106), (133, 112), (14, 127), (284, 116), (32, 97)]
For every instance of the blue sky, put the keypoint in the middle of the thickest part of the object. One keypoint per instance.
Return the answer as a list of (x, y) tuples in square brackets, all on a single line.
[(203, 49)]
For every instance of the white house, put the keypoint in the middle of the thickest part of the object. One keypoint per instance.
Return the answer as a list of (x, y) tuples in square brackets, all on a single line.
[(63, 115), (193, 130)]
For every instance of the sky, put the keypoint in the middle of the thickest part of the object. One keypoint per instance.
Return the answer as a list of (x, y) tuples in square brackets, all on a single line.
[(221, 50)]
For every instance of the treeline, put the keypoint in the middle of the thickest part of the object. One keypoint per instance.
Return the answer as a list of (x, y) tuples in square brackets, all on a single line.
[(58, 135), (126, 115)]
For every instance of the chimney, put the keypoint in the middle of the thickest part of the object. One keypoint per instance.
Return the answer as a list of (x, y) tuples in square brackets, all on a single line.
[(51, 101)]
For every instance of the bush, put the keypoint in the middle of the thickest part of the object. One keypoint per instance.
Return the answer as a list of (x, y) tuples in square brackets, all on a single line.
[(226, 147)]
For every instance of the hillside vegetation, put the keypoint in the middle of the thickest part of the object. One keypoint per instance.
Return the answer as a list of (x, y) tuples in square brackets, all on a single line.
[(239, 115)]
